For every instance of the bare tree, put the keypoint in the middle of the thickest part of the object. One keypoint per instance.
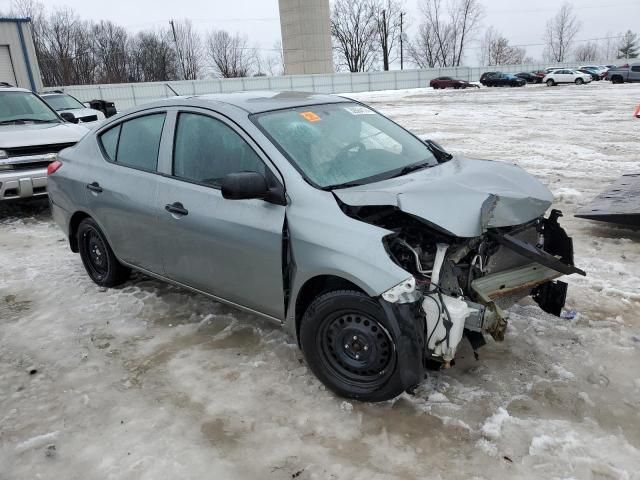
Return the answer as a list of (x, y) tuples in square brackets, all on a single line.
[(560, 33), (465, 19), (230, 55), (387, 18), (189, 49), (271, 64), (587, 52), (111, 50), (609, 46), (452, 27), (423, 50), (354, 31), (495, 50), (152, 57)]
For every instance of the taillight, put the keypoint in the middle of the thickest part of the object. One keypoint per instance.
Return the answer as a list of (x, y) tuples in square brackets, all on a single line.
[(53, 167)]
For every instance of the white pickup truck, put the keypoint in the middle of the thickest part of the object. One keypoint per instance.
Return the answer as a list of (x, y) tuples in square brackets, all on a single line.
[(31, 134)]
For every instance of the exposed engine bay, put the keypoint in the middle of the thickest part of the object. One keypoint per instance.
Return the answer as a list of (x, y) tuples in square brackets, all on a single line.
[(466, 284)]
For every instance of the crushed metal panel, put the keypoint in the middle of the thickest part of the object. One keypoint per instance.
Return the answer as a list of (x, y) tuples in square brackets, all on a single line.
[(618, 204), (463, 197), (527, 277)]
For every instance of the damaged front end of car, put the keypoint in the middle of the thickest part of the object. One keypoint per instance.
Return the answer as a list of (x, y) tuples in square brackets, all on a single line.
[(464, 286)]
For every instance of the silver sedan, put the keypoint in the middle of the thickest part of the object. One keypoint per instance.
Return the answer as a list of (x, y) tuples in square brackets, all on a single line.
[(377, 250)]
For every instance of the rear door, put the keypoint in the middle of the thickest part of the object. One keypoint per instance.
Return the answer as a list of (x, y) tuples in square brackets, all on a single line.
[(121, 191), (228, 248)]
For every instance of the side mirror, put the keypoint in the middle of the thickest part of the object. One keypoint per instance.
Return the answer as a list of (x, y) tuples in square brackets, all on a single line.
[(69, 117), (244, 185)]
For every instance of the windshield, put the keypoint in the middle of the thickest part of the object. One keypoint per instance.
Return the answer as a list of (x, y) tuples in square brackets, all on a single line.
[(344, 144), (62, 102), (24, 107)]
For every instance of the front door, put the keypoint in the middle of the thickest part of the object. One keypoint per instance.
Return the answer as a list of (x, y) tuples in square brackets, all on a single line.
[(228, 248)]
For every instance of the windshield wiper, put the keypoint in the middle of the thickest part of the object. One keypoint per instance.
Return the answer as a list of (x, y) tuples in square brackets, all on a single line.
[(23, 120), (342, 185), (411, 168)]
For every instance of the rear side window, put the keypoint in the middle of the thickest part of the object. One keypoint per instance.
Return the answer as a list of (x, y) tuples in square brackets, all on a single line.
[(135, 143), (206, 150), (109, 141)]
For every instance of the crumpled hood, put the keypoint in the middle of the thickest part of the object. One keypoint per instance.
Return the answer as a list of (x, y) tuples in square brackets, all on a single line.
[(463, 197), (13, 136)]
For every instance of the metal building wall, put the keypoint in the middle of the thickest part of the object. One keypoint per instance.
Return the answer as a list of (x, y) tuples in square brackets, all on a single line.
[(306, 36), (15, 34)]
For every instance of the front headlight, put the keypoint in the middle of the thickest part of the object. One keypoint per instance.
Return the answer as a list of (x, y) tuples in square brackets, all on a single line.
[(404, 292)]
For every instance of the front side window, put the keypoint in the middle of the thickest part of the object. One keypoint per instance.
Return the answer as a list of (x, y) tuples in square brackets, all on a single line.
[(22, 107), (206, 150), (135, 143), (635, 68), (343, 143)]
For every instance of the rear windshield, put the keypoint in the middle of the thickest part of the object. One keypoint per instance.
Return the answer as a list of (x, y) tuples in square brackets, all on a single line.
[(343, 144)]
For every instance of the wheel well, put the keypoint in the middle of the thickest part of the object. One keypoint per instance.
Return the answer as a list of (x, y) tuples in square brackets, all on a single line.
[(76, 218), (317, 286)]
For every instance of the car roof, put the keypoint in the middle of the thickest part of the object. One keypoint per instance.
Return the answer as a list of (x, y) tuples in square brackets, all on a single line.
[(13, 89), (257, 101)]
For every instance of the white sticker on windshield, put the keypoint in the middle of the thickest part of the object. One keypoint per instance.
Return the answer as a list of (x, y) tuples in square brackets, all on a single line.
[(358, 110)]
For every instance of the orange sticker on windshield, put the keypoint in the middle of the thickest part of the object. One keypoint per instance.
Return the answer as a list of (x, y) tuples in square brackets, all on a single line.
[(310, 116)]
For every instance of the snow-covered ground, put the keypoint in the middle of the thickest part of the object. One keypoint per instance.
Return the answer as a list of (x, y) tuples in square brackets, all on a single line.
[(151, 382)]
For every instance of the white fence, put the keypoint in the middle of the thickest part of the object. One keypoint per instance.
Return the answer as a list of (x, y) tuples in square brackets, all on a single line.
[(126, 95)]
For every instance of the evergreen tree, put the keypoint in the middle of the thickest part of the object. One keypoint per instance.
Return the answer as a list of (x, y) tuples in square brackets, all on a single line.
[(628, 47)]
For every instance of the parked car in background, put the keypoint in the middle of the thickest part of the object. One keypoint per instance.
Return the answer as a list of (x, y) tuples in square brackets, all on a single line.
[(31, 134), (449, 82), (566, 76), (71, 108), (486, 75), (376, 250), (504, 80), (599, 69), (595, 76), (530, 77), (625, 73)]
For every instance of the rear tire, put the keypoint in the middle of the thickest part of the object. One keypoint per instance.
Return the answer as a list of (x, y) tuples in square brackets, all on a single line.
[(347, 344), (97, 256)]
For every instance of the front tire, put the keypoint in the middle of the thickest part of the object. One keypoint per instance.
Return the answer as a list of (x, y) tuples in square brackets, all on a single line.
[(550, 83), (97, 256), (579, 81), (347, 344)]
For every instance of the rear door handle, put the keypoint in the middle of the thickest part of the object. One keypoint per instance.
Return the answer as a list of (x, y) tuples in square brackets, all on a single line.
[(94, 187), (176, 208)]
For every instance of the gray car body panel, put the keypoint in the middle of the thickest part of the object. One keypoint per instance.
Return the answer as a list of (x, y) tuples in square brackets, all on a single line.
[(322, 238), (462, 197)]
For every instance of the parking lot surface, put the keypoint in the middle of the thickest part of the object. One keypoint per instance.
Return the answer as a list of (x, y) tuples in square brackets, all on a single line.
[(149, 381)]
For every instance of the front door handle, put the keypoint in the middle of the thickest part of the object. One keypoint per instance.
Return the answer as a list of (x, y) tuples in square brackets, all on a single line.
[(176, 208), (94, 187)]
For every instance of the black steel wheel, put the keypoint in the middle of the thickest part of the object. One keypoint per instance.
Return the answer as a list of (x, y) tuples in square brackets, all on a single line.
[(97, 256), (347, 345)]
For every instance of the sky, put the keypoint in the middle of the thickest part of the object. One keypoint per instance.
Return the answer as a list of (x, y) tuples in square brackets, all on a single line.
[(521, 22)]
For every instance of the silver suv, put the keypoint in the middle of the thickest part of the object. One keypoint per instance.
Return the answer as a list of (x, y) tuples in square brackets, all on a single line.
[(31, 134), (378, 251)]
